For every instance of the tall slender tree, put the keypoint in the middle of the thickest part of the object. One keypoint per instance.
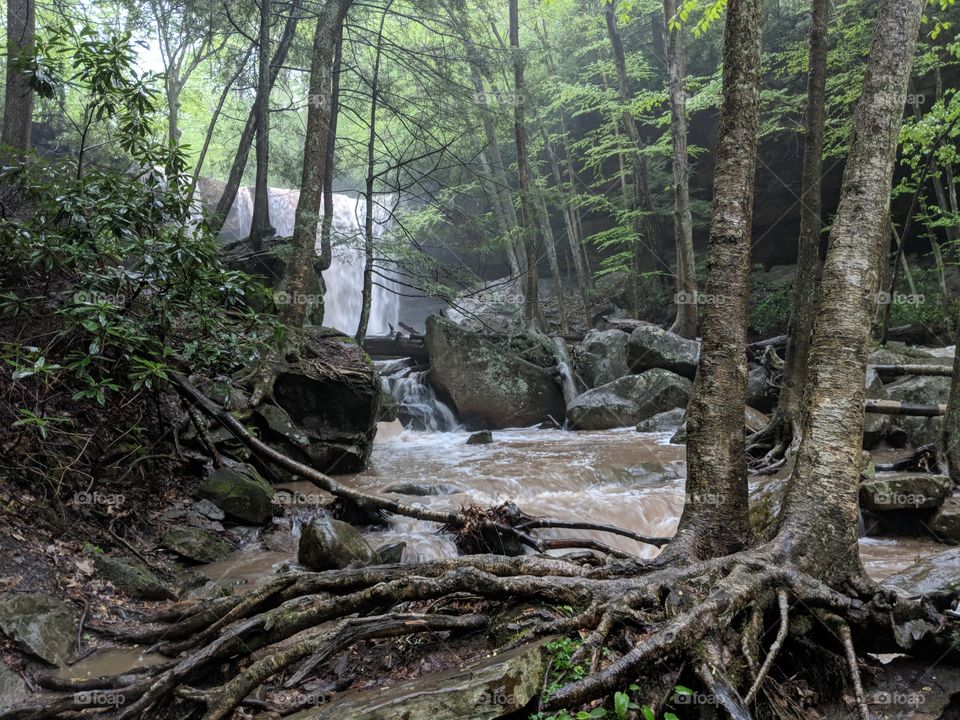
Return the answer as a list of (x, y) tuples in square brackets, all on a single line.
[(300, 271), (781, 437), (260, 226), (18, 100), (685, 323), (714, 519), (531, 304)]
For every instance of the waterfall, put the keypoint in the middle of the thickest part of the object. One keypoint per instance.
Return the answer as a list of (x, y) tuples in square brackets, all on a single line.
[(418, 407), (343, 298)]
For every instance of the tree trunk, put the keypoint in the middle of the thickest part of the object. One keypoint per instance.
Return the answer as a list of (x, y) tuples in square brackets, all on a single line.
[(300, 265), (246, 137), (325, 258), (550, 246), (949, 446), (821, 508), (685, 323), (367, 298), (784, 428), (18, 101), (714, 519), (260, 226), (531, 303)]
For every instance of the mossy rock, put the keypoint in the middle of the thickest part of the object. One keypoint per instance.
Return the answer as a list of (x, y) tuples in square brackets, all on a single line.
[(241, 493), (195, 544), (132, 578)]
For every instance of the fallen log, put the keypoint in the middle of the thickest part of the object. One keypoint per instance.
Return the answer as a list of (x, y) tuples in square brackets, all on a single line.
[(397, 346), (895, 407), (891, 371)]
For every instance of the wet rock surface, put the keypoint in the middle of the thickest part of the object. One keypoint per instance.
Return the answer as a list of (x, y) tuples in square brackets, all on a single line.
[(937, 574), (41, 624), (490, 387), (651, 347), (904, 491), (241, 493), (667, 421), (195, 544), (327, 544), (132, 577), (629, 400), (602, 357), (483, 437)]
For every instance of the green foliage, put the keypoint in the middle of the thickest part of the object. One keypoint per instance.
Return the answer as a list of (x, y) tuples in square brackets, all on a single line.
[(109, 266)]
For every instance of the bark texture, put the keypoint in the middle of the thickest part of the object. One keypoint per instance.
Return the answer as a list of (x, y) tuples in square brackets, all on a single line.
[(821, 507), (782, 435), (531, 304), (685, 323), (300, 265), (714, 519), (260, 226), (18, 101)]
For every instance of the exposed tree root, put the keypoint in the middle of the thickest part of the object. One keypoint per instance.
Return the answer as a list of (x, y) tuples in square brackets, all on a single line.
[(693, 615)]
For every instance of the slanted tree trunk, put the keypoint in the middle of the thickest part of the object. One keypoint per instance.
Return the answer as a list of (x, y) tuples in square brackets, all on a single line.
[(714, 519), (781, 437), (260, 226), (235, 176), (18, 101), (949, 445), (550, 246), (325, 257), (821, 507), (685, 323), (367, 298), (531, 303), (299, 270)]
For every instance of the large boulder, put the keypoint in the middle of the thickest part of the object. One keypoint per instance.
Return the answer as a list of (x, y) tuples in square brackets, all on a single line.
[(241, 493), (326, 405), (629, 400), (946, 523), (924, 391), (667, 421), (498, 686), (602, 357), (490, 387), (43, 625), (762, 394), (652, 347), (904, 491), (327, 544)]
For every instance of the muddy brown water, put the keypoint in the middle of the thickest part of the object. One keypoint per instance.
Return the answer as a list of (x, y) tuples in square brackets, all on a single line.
[(617, 477)]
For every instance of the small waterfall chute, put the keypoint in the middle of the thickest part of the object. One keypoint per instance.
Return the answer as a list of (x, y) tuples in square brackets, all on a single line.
[(418, 406)]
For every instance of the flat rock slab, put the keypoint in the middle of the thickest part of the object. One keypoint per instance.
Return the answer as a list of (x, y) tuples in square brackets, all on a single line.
[(481, 690), (41, 624), (934, 575), (904, 491)]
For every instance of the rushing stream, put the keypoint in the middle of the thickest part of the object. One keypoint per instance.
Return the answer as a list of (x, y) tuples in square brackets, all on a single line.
[(618, 477)]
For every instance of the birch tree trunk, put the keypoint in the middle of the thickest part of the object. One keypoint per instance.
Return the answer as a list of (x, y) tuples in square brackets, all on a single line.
[(714, 519), (820, 516), (325, 259)]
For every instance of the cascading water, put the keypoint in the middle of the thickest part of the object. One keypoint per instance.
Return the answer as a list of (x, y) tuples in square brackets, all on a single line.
[(418, 407), (343, 298)]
